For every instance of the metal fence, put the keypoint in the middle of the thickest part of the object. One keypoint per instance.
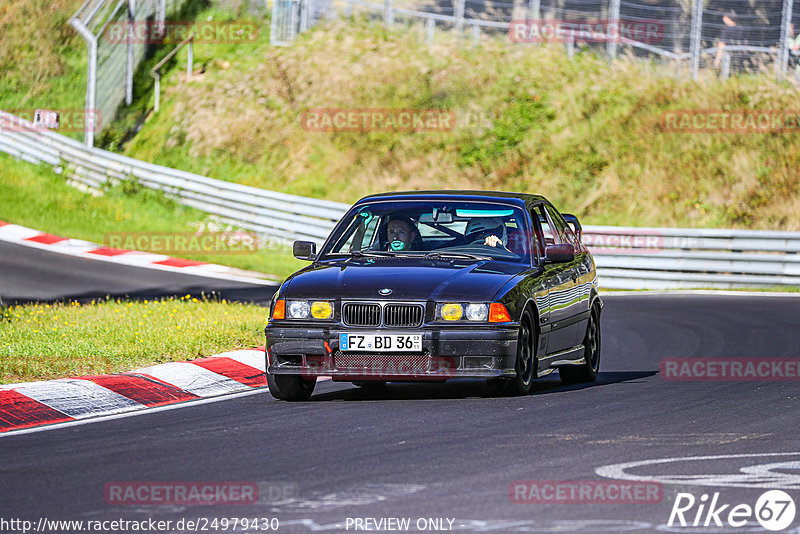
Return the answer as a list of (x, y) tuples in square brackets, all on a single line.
[(627, 258), (292, 17), (727, 35), (114, 50)]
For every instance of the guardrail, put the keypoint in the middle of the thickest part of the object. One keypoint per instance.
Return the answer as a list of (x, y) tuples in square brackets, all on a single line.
[(281, 216), (672, 258), (627, 257)]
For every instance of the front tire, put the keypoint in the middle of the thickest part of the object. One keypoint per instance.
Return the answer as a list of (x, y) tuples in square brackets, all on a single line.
[(586, 372), (525, 365), (290, 387)]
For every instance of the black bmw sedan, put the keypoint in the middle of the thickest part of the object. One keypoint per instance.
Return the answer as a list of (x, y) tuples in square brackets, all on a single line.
[(427, 286)]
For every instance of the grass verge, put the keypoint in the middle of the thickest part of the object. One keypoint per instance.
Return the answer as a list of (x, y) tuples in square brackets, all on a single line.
[(44, 341), (37, 197)]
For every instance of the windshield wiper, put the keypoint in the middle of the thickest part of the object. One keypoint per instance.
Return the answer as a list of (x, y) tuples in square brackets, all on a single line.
[(458, 255), (362, 253)]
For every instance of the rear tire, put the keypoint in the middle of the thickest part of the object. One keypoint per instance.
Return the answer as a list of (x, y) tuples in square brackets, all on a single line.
[(586, 372), (290, 387), (526, 364)]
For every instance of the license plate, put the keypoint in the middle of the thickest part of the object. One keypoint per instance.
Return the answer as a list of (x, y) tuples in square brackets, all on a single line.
[(381, 342)]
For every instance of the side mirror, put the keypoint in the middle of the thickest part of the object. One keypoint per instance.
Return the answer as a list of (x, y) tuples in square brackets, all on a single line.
[(576, 225), (304, 250), (559, 253)]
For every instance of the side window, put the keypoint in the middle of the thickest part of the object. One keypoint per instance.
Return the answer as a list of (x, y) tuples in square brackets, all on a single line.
[(549, 234), (360, 236), (565, 233)]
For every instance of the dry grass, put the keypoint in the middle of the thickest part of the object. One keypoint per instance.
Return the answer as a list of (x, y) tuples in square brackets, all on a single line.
[(586, 134), (36, 52)]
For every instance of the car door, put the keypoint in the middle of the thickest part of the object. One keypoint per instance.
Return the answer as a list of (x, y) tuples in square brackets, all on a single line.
[(580, 273), (563, 298)]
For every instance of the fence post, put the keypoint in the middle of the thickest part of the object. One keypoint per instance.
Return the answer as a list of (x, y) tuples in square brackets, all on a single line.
[(459, 15), (476, 34), (90, 113), (388, 13), (161, 17), (190, 58), (534, 10), (571, 45), (129, 59), (303, 15), (726, 65), (696, 36), (294, 21), (430, 25), (157, 104), (783, 50), (613, 22)]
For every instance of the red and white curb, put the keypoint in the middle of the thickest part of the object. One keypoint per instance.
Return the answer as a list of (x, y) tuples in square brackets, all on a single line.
[(33, 404), (21, 235)]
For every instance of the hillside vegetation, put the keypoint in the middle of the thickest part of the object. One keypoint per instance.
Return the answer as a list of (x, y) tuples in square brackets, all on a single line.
[(42, 58), (588, 135)]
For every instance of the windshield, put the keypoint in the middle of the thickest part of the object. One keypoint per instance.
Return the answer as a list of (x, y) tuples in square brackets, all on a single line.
[(436, 229)]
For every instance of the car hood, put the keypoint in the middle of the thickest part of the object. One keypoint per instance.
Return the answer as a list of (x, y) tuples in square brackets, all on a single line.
[(408, 278)]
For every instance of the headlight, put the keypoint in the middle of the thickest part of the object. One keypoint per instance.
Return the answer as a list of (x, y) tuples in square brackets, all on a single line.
[(304, 309), (452, 311), (321, 310), (297, 309), (477, 312)]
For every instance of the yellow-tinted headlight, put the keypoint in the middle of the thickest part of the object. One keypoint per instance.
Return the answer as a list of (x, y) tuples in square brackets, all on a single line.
[(321, 310), (452, 312)]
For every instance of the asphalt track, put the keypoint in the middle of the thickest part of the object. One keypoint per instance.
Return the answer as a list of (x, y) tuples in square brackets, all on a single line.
[(30, 274), (449, 450)]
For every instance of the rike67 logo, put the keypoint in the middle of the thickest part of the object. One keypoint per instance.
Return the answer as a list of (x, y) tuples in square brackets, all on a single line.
[(774, 510)]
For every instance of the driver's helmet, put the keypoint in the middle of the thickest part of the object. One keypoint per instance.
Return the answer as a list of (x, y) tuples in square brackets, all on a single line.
[(479, 228)]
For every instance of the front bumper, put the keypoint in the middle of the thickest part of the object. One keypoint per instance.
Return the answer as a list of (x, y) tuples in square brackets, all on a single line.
[(446, 353)]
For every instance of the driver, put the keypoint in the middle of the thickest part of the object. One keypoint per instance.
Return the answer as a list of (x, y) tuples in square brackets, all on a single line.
[(489, 231), (401, 234)]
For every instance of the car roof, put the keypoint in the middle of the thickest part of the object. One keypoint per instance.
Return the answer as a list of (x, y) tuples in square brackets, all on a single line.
[(516, 198)]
